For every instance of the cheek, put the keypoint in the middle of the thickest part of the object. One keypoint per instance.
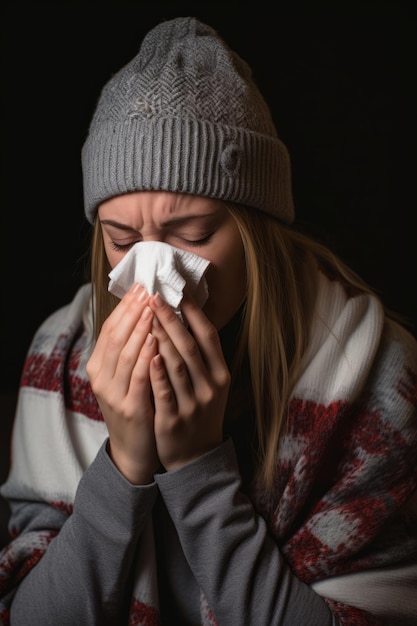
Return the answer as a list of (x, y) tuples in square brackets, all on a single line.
[(232, 263), (225, 264), (113, 256), (226, 280), (232, 268)]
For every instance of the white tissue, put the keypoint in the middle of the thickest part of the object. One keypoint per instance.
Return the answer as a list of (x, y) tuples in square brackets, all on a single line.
[(162, 268)]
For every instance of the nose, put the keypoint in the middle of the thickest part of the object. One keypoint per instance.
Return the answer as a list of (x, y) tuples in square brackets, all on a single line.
[(153, 236)]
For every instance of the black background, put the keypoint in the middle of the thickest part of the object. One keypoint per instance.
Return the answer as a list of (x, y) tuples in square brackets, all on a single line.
[(340, 83), (340, 79)]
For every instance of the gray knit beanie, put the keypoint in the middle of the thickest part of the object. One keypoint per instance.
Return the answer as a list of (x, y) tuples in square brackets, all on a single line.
[(184, 115)]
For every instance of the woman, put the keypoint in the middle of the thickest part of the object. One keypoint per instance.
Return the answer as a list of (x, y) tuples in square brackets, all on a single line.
[(249, 461)]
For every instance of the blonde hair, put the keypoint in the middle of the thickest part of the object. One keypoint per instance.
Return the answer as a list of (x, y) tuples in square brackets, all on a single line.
[(277, 318)]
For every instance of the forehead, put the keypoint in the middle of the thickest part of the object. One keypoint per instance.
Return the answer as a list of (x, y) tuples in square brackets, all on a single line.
[(142, 206)]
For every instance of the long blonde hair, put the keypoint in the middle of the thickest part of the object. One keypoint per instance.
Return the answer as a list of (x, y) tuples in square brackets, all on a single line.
[(277, 319)]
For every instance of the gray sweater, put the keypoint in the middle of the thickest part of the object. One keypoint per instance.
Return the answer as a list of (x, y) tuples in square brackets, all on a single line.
[(207, 535)]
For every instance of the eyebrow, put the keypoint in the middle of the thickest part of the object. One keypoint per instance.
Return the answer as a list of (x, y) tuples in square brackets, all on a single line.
[(116, 224), (177, 221)]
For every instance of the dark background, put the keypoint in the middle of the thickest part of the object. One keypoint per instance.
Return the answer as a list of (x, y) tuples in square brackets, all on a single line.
[(340, 82)]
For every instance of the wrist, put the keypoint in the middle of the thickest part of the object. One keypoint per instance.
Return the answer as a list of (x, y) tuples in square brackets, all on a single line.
[(136, 473)]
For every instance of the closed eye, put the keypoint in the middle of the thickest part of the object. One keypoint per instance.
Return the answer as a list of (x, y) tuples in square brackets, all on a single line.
[(198, 242), (122, 247)]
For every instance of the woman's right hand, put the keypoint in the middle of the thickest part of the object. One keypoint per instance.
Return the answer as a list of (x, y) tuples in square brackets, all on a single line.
[(118, 370)]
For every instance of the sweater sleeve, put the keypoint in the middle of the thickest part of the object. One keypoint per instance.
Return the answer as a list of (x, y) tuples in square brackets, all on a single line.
[(236, 562), (84, 574)]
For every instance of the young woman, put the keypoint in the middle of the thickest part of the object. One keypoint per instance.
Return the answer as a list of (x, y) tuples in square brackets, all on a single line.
[(252, 461)]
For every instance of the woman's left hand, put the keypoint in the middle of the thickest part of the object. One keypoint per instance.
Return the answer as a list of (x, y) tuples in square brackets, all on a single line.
[(190, 382)]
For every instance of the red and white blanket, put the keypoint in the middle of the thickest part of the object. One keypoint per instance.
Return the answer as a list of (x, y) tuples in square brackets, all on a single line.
[(344, 511)]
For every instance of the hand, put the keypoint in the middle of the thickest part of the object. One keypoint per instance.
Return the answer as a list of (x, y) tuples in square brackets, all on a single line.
[(118, 370), (190, 382)]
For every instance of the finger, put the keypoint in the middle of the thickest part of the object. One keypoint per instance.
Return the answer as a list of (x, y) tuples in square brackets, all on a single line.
[(206, 337), (131, 353), (175, 367), (140, 384), (116, 330), (164, 396), (180, 351)]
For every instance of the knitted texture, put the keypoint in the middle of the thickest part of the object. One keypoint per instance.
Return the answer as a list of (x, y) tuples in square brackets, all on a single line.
[(185, 115), (347, 464)]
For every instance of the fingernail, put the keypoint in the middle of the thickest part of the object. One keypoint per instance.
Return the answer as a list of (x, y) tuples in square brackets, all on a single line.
[(146, 313), (149, 339), (158, 300), (141, 295)]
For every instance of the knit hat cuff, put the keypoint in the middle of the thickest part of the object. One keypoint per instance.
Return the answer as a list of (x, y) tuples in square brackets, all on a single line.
[(186, 155)]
